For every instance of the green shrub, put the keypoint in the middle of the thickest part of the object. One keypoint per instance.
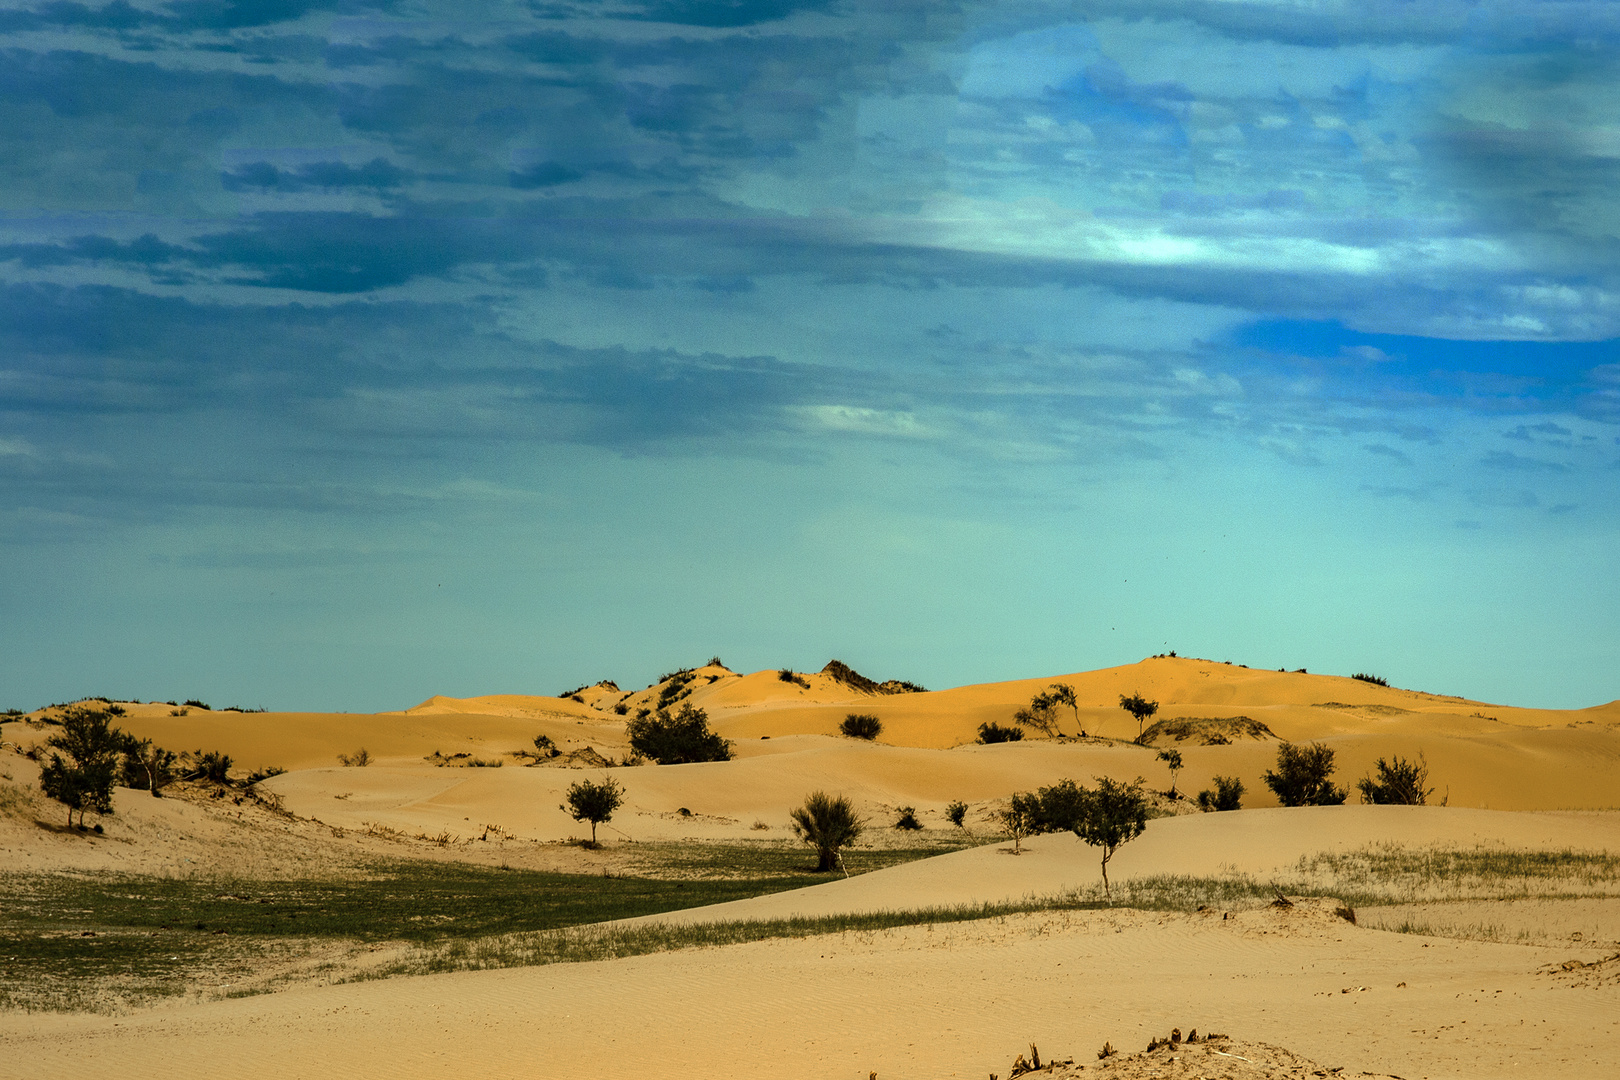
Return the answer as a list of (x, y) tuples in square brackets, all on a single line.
[(788, 675), (1226, 795), (861, 726), (828, 824), (1017, 819), (84, 779), (213, 765), (677, 740), (1172, 761), (907, 818), (1399, 783), (147, 766), (1139, 707), (193, 703), (1058, 808), (1302, 776), (1374, 679), (956, 813), (1113, 814), (993, 732)]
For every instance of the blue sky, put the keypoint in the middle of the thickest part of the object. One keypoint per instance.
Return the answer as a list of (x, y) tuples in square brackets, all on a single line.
[(352, 353)]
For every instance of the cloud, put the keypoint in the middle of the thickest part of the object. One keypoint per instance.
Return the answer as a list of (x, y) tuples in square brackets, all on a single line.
[(1501, 459)]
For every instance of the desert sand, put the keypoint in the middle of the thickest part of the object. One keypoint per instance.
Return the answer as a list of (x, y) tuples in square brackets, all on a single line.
[(1537, 993)]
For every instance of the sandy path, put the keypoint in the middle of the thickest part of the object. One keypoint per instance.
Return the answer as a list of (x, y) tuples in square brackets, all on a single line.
[(955, 1001)]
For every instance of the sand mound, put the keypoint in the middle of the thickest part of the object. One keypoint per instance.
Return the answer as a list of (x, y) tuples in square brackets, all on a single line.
[(1195, 1055), (1205, 730)]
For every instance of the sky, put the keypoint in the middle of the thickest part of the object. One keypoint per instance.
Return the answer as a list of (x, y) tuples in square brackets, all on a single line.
[(353, 352)]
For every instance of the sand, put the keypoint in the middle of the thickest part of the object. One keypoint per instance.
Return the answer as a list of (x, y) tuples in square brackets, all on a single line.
[(950, 1000)]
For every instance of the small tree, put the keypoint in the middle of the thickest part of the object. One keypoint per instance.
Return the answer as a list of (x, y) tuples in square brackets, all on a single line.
[(1139, 707), (1019, 817), (677, 740), (84, 780), (594, 802), (1063, 694), (1114, 814), (1302, 776), (1227, 795), (956, 813), (1400, 783), (1041, 715), (861, 726), (993, 732), (1172, 761), (827, 823), (147, 766)]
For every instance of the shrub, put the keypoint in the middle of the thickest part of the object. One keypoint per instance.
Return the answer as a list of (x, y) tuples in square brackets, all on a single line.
[(788, 675), (84, 779), (545, 747), (1042, 711), (1399, 783), (907, 818), (861, 726), (956, 813), (994, 733), (1374, 679), (594, 802), (264, 774), (357, 760), (1058, 808), (1139, 707), (213, 765), (1302, 776), (1227, 795), (193, 703), (828, 824), (677, 740), (621, 709), (1112, 815)]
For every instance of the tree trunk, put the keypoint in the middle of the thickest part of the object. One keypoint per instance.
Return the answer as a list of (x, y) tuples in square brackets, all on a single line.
[(827, 860)]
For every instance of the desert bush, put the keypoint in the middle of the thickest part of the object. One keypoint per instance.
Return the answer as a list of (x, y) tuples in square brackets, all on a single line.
[(147, 766), (1058, 808), (357, 760), (1172, 761), (212, 765), (1226, 795), (907, 818), (1302, 776), (1139, 707), (594, 802), (1042, 711), (545, 747), (621, 709), (84, 779), (1399, 783), (993, 732), (1374, 679), (263, 774), (827, 823), (1112, 815), (861, 726), (956, 813), (788, 675), (193, 703), (676, 740)]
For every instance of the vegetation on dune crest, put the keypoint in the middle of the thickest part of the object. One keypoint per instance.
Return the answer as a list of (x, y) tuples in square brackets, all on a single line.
[(1042, 711)]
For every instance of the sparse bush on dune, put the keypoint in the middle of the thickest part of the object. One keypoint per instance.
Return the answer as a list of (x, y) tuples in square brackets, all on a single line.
[(1399, 783), (788, 675), (263, 774), (147, 766), (193, 703), (357, 760), (993, 732), (1018, 818), (1042, 711), (1374, 679), (829, 824), (907, 818), (545, 746), (1302, 776), (861, 726), (212, 765), (1172, 761), (1226, 795), (956, 814)]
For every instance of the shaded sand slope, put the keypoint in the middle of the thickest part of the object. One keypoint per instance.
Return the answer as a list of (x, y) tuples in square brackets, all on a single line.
[(1261, 843), (937, 1002)]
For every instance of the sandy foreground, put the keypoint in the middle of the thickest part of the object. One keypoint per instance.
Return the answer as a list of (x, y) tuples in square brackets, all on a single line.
[(949, 1000)]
